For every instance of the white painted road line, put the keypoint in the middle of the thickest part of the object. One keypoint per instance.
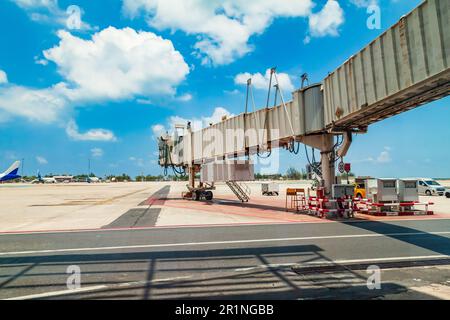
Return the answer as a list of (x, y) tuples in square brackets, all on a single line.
[(59, 293), (93, 288), (208, 243)]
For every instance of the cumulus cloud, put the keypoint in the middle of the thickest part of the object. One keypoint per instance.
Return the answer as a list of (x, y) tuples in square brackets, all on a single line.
[(137, 161), (196, 123), (3, 77), (202, 122), (117, 64), (37, 4), (49, 12), (261, 82), (40, 61), (41, 160), (364, 3), (90, 135), (158, 130), (185, 97), (113, 65), (223, 28), (384, 156), (327, 21), (217, 116), (97, 152), (43, 105)]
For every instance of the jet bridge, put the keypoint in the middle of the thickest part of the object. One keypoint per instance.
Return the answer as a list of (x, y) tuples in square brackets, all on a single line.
[(405, 67)]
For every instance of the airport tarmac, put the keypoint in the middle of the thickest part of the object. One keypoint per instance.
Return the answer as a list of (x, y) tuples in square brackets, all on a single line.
[(153, 204), (143, 241), (269, 261)]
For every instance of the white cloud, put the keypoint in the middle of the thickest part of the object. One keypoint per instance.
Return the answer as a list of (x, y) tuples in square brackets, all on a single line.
[(223, 28), (91, 135), (327, 21), (158, 130), (10, 155), (113, 65), (3, 77), (196, 123), (138, 161), (41, 160), (217, 116), (232, 92), (37, 4), (384, 156), (364, 3), (117, 64), (43, 105), (307, 39), (185, 97), (261, 82), (40, 61), (97, 152), (49, 12), (144, 101)]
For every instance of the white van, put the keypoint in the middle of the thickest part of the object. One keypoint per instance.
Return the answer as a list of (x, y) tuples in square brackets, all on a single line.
[(430, 187)]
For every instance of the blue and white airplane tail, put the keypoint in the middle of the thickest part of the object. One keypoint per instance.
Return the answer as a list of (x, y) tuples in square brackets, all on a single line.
[(11, 173), (39, 177)]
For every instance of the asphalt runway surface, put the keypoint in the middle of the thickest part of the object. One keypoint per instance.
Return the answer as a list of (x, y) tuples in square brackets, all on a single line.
[(270, 261)]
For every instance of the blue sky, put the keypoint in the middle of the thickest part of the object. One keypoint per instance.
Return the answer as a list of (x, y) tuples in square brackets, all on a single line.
[(67, 95)]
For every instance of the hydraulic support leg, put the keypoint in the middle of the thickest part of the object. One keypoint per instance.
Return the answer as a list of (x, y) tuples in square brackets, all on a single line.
[(324, 143), (327, 160), (191, 173)]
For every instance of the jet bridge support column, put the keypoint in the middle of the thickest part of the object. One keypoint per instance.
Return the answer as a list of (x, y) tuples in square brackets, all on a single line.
[(323, 142), (191, 175), (327, 160)]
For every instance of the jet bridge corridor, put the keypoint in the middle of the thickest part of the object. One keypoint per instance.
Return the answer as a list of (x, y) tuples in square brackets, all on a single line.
[(403, 68)]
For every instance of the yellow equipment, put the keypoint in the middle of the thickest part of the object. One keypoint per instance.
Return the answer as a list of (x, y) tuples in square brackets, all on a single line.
[(360, 187)]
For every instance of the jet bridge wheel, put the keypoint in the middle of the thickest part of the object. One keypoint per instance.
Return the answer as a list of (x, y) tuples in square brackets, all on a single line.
[(198, 195), (208, 195)]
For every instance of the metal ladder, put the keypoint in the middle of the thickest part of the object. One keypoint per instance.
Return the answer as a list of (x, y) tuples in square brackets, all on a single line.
[(240, 190)]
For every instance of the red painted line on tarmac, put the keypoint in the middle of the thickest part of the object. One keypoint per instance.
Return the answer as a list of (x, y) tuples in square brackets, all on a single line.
[(153, 201), (276, 217)]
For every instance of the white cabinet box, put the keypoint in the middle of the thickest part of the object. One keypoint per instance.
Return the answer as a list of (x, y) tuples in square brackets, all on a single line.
[(408, 190)]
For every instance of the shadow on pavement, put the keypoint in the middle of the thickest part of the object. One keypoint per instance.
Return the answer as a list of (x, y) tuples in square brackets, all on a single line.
[(433, 242), (230, 273)]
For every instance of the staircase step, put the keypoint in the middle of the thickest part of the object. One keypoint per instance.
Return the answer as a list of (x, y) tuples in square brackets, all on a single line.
[(238, 191)]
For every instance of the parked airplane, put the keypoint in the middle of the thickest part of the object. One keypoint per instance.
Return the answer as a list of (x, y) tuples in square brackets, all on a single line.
[(39, 179), (92, 180), (11, 173)]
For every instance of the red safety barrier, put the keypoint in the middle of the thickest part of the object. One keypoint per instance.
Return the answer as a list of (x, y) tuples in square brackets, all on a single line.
[(395, 209)]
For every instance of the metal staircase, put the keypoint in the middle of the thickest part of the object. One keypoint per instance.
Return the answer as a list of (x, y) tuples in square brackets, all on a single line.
[(241, 190)]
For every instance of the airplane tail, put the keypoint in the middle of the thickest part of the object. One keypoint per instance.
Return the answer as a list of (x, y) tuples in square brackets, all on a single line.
[(14, 169), (11, 173)]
